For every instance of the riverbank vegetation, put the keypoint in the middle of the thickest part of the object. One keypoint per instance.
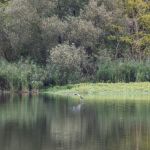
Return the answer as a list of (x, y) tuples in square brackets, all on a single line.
[(51, 42), (104, 91), (20, 76)]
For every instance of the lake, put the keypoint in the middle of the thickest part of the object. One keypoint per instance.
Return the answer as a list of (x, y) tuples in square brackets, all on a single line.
[(54, 123)]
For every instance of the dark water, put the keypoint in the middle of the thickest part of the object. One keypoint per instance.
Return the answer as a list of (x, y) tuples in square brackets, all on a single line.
[(46, 123)]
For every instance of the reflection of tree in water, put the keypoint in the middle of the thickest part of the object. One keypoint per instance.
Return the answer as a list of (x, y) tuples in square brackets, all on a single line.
[(122, 128), (4, 98), (43, 123)]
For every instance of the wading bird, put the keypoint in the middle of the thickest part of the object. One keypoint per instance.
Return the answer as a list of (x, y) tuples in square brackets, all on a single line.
[(81, 98), (78, 107)]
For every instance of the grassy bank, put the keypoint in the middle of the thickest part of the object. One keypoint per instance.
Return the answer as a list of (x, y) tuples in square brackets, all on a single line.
[(105, 91)]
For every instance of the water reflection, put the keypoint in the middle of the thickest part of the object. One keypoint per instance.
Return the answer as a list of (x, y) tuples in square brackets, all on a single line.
[(48, 123)]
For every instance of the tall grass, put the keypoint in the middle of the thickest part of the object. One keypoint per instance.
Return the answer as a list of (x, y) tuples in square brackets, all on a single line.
[(21, 76), (26, 75), (124, 72)]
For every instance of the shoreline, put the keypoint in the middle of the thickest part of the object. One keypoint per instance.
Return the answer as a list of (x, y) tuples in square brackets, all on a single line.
[(104, 91), (24, 92), (95, 91)]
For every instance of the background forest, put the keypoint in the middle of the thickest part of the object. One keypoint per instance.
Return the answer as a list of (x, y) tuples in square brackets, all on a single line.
[(56, 42)]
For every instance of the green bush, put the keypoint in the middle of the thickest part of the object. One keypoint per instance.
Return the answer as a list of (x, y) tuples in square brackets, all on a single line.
[(23, 75), (143, 73), (105, 73), (123, 71), (66, 63), (126, 72)]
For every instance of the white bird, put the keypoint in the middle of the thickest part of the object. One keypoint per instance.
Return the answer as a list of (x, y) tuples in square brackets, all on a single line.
[(81, 98), (78, 107)]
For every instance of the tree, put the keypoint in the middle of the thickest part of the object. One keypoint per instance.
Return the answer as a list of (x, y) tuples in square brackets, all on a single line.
[(66, 63), (110, 23), (98, 14), (22, 25), (5, 45), (83, 33), (138, 15), (53, 31), (44, 8), (69, 7)]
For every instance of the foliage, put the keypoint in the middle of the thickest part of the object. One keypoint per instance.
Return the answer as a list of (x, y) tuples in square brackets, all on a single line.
[(83, 33), (124, 72), (69, 7), (79, 35), (99, 16), (23, 76), (53, 31), (66, 63)]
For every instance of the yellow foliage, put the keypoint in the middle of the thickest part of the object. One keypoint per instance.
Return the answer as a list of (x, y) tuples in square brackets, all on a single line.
[(139, 5), (145, 40), (145, 21), (126, 39)]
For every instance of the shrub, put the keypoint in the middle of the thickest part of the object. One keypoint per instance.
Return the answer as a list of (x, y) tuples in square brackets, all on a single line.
[(66, 63), (123, 72), (20, 76), (143, 73)]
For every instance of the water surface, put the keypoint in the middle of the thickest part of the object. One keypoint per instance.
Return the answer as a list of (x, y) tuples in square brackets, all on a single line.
[(48, 123)]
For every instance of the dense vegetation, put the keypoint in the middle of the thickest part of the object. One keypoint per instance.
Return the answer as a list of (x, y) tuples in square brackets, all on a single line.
[(50, 42)]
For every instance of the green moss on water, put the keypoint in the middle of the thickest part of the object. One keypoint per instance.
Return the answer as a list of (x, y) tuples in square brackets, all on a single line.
[(104, 91)]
